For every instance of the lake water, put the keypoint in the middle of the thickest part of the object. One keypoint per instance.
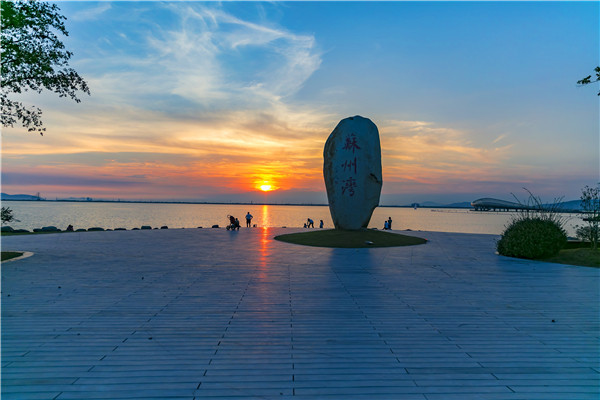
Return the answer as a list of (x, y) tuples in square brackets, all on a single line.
[(36, 214)]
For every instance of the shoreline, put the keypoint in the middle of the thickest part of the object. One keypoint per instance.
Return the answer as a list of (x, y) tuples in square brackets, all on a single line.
[(443, 207)]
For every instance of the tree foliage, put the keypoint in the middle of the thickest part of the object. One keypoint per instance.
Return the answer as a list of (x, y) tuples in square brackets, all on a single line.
[(588, 79), (7, 215), (34, 58), (590, 206)]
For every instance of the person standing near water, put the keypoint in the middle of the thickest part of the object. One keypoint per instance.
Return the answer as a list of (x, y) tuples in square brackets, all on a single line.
[(248, 219), (321, 224), (310, 223), (389, 221)]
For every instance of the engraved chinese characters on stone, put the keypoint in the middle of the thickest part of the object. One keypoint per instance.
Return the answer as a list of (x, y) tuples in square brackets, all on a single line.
[(350, 143), (349, 185), (350, 165), (352, 172)]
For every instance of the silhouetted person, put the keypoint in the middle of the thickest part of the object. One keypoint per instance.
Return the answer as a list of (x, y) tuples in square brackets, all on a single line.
[(248, 219), (231, 222)]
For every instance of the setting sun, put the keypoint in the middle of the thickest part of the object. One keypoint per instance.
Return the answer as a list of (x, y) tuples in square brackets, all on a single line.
[(266, 188)]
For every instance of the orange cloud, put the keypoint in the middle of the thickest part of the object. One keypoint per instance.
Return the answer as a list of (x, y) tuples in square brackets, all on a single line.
[(421, 152)]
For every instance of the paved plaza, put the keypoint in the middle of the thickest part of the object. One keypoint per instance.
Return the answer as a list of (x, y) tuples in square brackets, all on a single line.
[(208, 313)]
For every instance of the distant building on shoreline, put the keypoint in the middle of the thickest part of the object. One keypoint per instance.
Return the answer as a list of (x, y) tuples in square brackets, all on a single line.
[(490, 204)]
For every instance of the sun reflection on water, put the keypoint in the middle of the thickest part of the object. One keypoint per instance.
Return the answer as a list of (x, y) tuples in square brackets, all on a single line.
[(264, 243)]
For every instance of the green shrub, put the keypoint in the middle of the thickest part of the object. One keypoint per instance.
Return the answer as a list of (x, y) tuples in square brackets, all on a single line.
[(532, 238)]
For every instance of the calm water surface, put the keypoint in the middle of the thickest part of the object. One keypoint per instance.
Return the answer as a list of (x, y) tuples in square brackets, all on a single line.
[(133, 215)]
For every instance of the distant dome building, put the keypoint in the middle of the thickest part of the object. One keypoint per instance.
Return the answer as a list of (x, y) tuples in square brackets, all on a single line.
[(489, 204)]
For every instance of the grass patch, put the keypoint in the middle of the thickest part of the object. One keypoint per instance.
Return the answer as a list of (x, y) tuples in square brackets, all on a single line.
[(577, 244), (576, 253), (350, 239), (581, 256), (7, 255)]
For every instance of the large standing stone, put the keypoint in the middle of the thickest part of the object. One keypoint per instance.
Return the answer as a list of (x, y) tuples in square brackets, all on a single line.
[(352, 172)]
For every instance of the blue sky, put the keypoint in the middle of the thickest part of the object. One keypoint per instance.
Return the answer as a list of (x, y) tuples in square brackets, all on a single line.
[(208, 100)]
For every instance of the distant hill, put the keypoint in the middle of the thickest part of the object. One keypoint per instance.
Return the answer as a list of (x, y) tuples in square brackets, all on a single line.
[(433, 204), (4, 196), (429, 204), (463, 204), (571, 205)]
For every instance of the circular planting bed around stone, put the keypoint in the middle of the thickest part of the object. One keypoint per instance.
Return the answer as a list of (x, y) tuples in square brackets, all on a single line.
[(350, 239)]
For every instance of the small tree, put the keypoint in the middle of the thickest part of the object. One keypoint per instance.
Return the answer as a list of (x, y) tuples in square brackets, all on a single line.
[(7, 216), (588, 79), (590, 213), (34, 58)]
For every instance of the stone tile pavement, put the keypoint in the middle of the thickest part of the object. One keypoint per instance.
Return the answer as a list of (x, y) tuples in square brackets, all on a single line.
[(207, 313)]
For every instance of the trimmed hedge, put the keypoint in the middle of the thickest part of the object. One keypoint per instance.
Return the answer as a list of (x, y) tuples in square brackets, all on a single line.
[(532, 238)]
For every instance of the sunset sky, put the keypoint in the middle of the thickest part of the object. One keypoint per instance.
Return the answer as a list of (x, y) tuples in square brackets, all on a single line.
[(208, 101)]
